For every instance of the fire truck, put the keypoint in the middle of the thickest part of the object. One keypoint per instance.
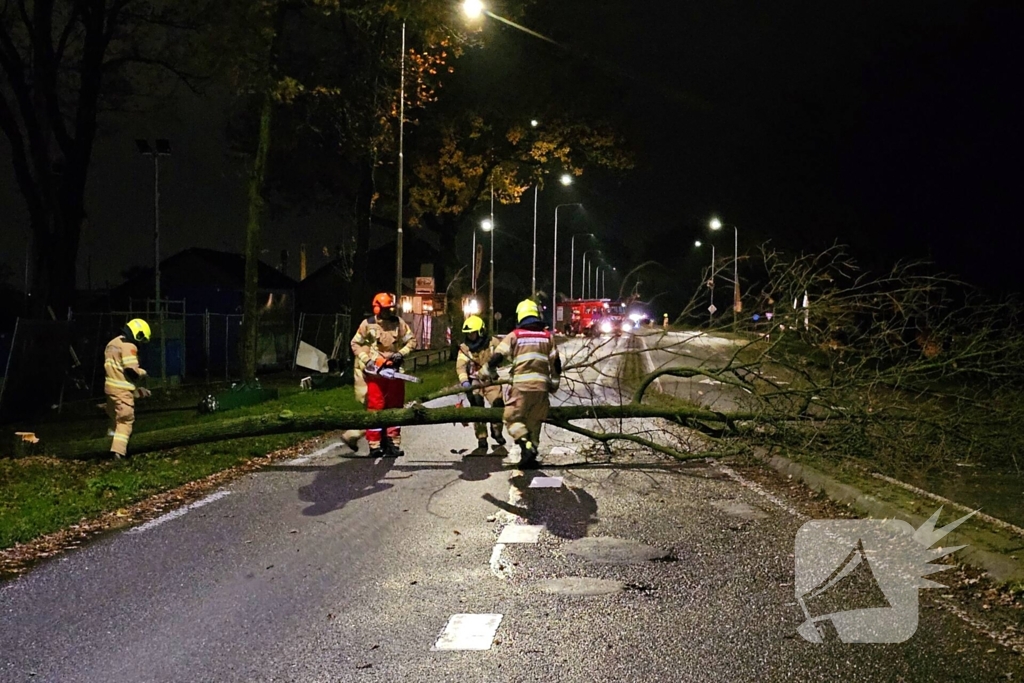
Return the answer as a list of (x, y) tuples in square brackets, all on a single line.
[(589, 316)]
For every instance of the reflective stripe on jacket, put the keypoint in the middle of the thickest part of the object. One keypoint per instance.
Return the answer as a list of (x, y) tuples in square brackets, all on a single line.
[(120, 355), (534, 358), (468, 363), (376, 337)]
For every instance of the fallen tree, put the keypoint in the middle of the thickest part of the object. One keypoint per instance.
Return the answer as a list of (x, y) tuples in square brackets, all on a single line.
[(290, 423), (906, 369)]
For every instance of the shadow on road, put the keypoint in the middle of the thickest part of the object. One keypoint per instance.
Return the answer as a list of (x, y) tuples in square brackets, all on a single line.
[(478, 467), (336, 485), (566, 512)]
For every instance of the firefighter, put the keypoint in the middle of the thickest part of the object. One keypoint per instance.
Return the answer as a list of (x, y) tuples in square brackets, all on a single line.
[(122, 371), (382, 341), (536, 371), (474, 352)]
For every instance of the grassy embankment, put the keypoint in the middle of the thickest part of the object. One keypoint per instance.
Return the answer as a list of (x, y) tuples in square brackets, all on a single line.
[(39, 495)]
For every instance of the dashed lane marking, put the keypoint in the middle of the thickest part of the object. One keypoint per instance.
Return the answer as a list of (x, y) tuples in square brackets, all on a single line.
[(520, 533), (179, 512), (468, 632)]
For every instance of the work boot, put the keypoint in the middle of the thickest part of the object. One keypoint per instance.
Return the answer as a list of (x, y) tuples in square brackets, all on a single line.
[(392, 450), (498, 438), (527, 455), (376, 451), (351, 439), (481, 445)]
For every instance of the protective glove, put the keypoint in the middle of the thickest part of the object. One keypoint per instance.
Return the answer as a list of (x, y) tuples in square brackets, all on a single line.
[(553, 385), (467, 384), (143, 392), (396, 359), (487, 374)]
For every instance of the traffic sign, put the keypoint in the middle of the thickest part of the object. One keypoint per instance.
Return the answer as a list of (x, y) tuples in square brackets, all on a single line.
[(712, 309)]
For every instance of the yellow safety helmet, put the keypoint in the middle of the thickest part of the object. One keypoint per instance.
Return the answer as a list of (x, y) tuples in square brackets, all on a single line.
[(527, 308), (473, 323), (138, 330)]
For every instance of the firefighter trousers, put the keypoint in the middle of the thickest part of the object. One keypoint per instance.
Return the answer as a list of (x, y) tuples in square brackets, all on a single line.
[(382, 393), (476, 399), (121, 410), (524, 413)]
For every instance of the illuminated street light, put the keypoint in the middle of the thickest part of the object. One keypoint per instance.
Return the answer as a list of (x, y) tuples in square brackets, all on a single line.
[(697, 243), (486, 225), (534, 122), (473, 9), (737, 305), (566, 179)]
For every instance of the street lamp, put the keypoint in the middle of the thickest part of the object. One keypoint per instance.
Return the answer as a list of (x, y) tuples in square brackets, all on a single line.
[(161, 148), (401, 172), (473, 9), (487, 225), (737, 304), (711, 282), (585, 272), (554, 268), (536, 190), (572, 262)]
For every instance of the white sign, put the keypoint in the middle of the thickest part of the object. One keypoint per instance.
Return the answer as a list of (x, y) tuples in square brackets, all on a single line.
[(712, 308), (424, 285)]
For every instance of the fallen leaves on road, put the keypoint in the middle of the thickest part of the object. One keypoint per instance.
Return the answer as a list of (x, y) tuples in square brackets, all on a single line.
[(20, 558)]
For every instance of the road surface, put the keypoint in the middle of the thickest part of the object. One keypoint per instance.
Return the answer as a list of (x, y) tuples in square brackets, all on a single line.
[(334, 569)]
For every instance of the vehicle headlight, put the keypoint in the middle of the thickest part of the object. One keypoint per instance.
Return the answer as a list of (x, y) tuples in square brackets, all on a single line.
[(606, 326), (626, 326)]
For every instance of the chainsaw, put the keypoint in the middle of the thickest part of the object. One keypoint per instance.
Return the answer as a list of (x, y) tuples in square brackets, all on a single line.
[(390, 373)]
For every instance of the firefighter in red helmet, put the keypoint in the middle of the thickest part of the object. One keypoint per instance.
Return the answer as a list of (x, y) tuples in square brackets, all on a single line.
[(382, 341)]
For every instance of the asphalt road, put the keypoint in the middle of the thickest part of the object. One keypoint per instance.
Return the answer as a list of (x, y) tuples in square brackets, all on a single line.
[(332, 569)]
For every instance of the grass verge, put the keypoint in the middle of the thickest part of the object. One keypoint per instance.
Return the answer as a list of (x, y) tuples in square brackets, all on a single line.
[(40, 495)]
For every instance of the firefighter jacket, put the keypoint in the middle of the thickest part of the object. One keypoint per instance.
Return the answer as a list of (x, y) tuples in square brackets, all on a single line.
[(536, 365), (377, 337), (469, 362), (121, 366)]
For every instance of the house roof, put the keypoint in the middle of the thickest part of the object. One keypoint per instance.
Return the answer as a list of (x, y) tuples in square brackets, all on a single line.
[(223, 268)]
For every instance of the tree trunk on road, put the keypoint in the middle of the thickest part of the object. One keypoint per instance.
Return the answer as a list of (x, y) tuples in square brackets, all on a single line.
[(286, 423)]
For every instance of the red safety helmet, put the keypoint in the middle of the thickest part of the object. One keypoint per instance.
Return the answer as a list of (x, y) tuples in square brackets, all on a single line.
[(383, 301)]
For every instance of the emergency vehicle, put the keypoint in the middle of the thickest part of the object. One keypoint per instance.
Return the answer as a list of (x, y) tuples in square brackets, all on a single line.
[(590, 317)]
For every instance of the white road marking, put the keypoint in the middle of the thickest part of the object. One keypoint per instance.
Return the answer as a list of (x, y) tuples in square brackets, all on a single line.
[(561, 450), (498, 567), (546, 483), (520, 533), (759, 490), (303, 459), (179, 512), (469, 632)]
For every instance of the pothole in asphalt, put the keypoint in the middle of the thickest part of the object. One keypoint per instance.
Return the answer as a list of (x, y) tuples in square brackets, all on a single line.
[(581, 586), (615, 550), (738, 508)]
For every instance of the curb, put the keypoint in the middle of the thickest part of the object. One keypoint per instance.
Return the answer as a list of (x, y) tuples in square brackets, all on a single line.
[(1000, 567)]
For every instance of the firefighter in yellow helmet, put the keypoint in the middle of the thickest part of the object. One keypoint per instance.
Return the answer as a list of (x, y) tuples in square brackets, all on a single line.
[(535, 373), (382, 340), (122, 371), (474, 352)]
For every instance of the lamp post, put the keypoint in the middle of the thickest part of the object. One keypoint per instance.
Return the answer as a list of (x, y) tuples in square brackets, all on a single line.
[(737, 304), (161, 148), (566, 181), (572, 262), (711, 283), (490, 294), (401, 171), (585, 272), (554, 262)]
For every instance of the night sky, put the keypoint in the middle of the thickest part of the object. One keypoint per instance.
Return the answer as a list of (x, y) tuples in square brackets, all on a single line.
[(895, 127)]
